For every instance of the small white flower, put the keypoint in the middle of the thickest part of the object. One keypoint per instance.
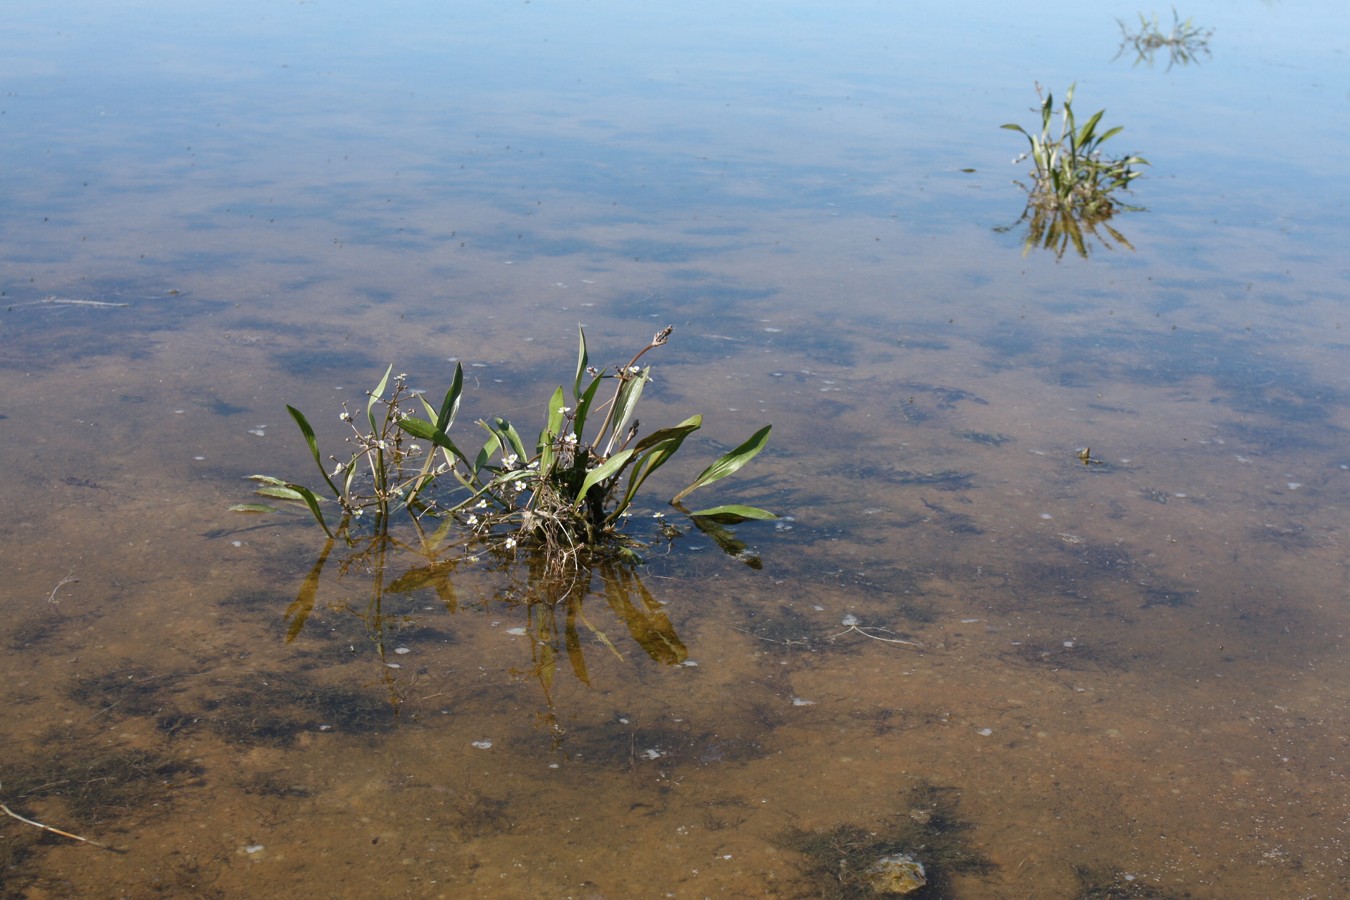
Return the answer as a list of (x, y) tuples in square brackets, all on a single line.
[(482, 504), (471, 521), (564, 410), (510, 543)]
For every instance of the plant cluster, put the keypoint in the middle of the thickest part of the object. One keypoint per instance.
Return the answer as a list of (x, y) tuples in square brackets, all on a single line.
[(1184, 42), (1073, 174), (565, 493), (1074, 181)]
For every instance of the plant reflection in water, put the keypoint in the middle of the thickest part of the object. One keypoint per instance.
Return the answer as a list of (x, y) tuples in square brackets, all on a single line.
[(391, 571)]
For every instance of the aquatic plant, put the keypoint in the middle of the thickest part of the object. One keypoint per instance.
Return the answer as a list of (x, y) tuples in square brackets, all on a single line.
[(1183, 43), (566, 493), (1074, 183), (1073, 174)]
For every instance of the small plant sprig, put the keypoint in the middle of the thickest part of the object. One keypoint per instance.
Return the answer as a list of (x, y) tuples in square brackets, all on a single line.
[(1184, 43), (377, 476), (565, 493), (1073, 175)]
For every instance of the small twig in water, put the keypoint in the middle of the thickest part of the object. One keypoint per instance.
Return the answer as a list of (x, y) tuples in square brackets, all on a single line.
[(65, 834), (69, 579), (865, 630)]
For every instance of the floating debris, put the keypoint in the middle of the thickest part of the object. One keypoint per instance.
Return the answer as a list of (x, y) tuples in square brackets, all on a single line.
[(71, 301), (1086, 458)]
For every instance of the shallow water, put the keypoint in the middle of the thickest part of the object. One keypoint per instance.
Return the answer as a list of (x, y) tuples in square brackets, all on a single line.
[(1042, 678)]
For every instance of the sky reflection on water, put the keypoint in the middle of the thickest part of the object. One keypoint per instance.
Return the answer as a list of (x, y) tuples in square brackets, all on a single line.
[(1133, 668)]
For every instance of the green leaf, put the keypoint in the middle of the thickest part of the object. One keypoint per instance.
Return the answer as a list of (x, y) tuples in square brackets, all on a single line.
[(450, 405), (313, 503), (583, 359), (609, 468), (733, 513), (280, 492), (510, 437), (375, 398), (1110, 132), (313, 443), (653, 451), (551, 429), (420, 428), (1084, 135), (584, 406), (491, 446), (728, 463), (253, 508), (626, 402)]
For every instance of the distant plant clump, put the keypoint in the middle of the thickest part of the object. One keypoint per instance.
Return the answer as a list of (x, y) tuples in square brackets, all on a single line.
[(1074, 183), (1184, 42), (565, 493)]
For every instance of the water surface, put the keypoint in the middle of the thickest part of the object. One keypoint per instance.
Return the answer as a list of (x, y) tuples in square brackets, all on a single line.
[(1042, 677)]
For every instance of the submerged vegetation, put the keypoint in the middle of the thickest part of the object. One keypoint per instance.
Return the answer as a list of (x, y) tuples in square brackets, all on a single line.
[(1075, 183), (565, 494), (1184, 42)]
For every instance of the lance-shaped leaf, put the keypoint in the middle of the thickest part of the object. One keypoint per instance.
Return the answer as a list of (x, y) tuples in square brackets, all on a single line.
[(550, 433), (445, 416), (583, 359), (611, 467), (375, 398), (584, 406), (312, 502), (313, 443), (624, 405), (280, 492), (652, 452), (423, 429), (732, 513), (253, 508), (509, 437), (728, 463), (491, 446)]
